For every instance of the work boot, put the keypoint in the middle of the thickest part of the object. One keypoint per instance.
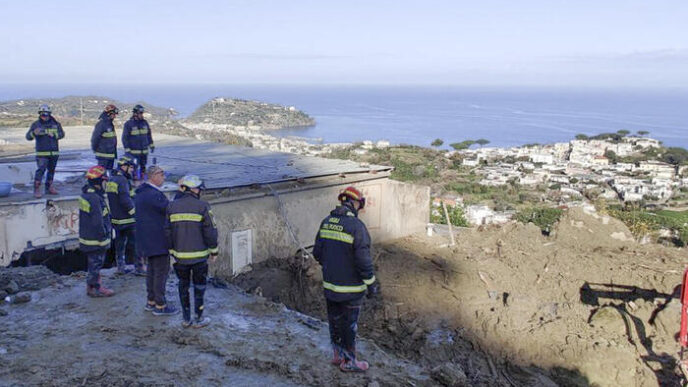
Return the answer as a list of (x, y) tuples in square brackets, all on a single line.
[(338, 357), (123, 270), (200, 322), (37, 189), (354, 366), (186, 323), (99, 292), (166, 310), (50, 189)]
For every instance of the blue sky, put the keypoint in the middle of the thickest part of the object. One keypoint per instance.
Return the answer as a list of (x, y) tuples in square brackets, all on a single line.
[(610, 43)]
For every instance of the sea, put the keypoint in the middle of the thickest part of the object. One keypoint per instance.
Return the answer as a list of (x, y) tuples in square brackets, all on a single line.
[(417, 115)]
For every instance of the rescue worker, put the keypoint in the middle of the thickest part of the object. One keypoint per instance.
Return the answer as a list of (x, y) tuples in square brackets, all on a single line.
[(120, 194), (47, 132), (104, 138), (151, 206), (191, 232), (94, 229), (342, 247), (137, 139)]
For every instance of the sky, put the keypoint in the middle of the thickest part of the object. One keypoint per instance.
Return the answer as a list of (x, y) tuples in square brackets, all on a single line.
[(585, 43)]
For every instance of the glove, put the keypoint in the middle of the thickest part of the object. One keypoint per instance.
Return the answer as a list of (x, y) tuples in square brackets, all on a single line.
[(373, 290)]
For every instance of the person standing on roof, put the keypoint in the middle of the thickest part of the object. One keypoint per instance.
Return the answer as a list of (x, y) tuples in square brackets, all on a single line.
[(151, 207), (137, 138), (120, 194), (104, 138), (47, 132), (342, 247), (94, 229), (191, 231)]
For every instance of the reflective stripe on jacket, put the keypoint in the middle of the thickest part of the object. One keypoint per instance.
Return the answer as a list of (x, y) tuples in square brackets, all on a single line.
[(137, 136), (104, 138), (120, 200), (49, 133), (94, 221), (190, 229), (342, 247)]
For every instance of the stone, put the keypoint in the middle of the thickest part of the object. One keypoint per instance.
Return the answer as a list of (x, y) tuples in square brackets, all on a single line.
[(11, 287), (3, 312), (21, 298), (450, 374), (609, 318)]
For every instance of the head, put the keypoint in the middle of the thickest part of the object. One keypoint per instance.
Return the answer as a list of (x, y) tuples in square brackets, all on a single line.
[(137, 112), (44, 112), (127, 164), (96, 177), (192, 184), (353, 198), (111, 111), (156, 176)]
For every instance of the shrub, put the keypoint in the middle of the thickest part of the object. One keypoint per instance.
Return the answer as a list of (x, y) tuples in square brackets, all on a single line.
[(542, 217), (456, 215)]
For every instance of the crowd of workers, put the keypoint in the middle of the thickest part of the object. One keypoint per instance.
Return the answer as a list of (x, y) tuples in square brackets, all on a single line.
[(126, 200)]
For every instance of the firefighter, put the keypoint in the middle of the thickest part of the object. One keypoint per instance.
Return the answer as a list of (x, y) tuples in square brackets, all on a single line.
[(47, 132), (120, 194), (104, 138), (137, 139), (94, 229), (192, 234), (342, 247)]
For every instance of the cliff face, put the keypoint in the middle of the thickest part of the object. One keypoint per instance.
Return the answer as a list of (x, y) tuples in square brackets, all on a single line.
[(249, 114)]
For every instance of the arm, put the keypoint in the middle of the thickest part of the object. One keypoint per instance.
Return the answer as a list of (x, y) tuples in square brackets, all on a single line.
[(150, 137), (31, 134), (60, 131), (362, 259), (96, 215), (209, 231), (95, 137), (160, 203), (168, 229), (317, 247), (125, 136), (125, 199)]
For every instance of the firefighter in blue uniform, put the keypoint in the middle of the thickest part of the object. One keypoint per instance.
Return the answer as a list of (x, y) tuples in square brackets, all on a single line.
[(120, 194), (47, 132), (342, 247), (190, 229), (137, 139), (94, 229), (104, 138)]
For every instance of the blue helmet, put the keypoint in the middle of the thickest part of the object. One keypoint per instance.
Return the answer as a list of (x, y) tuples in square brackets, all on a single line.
[(138, 109)]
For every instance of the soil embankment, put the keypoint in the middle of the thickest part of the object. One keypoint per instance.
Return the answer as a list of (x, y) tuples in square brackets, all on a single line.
[(584, 306)]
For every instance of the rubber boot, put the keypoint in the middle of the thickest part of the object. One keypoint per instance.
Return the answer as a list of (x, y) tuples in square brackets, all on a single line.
[(102, 291), (354, 365), (37, 189), (337, 357), (50, 189)]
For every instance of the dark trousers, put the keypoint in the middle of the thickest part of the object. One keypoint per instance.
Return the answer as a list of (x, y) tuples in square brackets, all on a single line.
[(107, 163), (156, 279), (125, 248), (95, 263), (46, 164), (343, 320), (198, 273)]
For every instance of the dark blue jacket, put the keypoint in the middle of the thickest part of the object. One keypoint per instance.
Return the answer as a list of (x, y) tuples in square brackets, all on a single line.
[(94, 221), (342, 247), (104, 138), (151, 206), (119, 195), (191, 229), (136, 136), (49, 132)]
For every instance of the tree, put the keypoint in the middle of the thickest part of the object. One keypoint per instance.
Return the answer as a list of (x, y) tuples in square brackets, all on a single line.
[(581, 136), (459, 145), (675, 156), (437, 143), (643, 133), (611, 155), (482, 141), (623, 132)]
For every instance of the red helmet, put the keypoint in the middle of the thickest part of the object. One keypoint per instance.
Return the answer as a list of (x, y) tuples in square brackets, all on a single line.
[(111, 109), (97, 172), (351, 193)]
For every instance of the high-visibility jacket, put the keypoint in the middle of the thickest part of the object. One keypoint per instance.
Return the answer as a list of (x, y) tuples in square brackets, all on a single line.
[(137, 136), (49, 132), (120, 193), (342, 247), (104, 138), (190, 229), (95, 228)]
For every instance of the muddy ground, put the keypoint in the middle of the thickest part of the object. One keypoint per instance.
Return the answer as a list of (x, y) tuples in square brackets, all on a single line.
[(585, 306), (63, 338)]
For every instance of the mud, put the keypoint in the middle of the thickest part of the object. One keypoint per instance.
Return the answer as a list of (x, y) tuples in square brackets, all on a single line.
[(510, 306), (63, 338)]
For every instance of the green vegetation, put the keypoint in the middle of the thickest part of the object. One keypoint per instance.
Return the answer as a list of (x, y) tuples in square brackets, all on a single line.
[(542, 217), (437, 142), (643, 133), (623, 132), (641, 222), (456, 215)]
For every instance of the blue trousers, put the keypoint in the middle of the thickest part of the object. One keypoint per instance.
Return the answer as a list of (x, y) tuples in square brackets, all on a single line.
[(343, 321), (46, 164), (109, 164), (95, 263), (125, 248), (198, 273)]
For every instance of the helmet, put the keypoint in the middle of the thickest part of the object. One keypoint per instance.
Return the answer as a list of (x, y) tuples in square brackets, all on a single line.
[(97, 172), (138, 109), (127, 159), (351, 193), (192, 181), (111, 109), (44, 110)]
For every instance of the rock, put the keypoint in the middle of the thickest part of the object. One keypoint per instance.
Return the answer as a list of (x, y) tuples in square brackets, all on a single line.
[(609, 318), (449, 374), (11, 287), (20, 298), (3, 312)]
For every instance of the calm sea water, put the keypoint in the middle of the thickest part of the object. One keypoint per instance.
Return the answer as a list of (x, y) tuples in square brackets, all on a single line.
[(417, 115)]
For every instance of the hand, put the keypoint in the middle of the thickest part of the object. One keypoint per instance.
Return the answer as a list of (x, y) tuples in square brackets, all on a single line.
[(213, 258), (373, 290), (37, 131)]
